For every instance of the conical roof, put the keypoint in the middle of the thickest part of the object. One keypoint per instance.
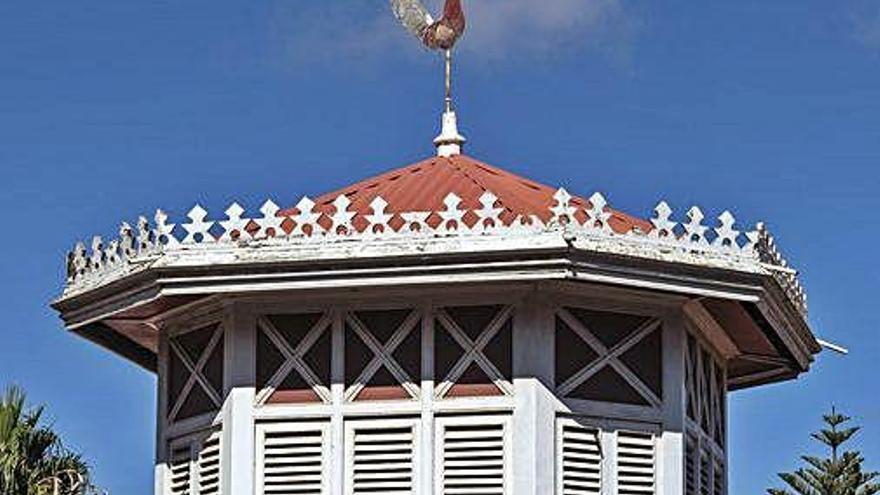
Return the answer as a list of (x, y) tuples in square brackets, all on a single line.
[(424, 186)]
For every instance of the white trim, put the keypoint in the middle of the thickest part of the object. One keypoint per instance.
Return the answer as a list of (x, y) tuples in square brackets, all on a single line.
[(238, 409), (337, 391), (428, 438)]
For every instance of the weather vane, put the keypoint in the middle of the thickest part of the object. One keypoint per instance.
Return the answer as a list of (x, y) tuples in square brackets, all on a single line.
[(440, 35)]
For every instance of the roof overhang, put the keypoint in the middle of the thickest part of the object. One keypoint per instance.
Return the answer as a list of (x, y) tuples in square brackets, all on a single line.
[(770, 338)]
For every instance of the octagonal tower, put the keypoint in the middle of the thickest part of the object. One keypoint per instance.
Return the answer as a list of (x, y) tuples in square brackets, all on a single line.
[(444, 328)]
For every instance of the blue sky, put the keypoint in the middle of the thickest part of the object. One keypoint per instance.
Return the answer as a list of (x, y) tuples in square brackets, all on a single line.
[(111, 109)]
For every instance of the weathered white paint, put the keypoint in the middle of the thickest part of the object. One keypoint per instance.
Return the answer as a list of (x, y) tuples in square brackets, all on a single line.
[(426, 486), (671, 444), (239, 445), (532, 410), (686, 243)]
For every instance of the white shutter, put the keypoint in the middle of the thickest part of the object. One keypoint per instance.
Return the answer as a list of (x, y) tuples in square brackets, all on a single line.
[(194, 465), (473, 455), (635, 463), (579, 454), (705, 473), (292, 459), (691, 463), (719, 478), (381, 457), (209, 465), (180, 468)]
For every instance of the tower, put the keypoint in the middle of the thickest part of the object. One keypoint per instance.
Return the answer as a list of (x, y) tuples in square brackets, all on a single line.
[(444, 328)]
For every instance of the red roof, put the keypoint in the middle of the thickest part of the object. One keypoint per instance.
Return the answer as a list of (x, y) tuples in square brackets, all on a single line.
[(424, 185)]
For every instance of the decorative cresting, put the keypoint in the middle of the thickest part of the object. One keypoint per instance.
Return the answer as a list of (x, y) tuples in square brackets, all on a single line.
[(286, 236)]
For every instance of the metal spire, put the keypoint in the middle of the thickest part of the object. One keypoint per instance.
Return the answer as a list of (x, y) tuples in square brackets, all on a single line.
[(449, 142)]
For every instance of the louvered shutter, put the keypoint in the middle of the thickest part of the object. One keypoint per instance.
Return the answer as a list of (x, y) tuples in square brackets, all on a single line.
[(719, 478), (691, 462), (473, 455), (194, 465), (579, 453), (635, 463), (381, 457), (209, 465), (705, 473), (292, 459), (180, 468)]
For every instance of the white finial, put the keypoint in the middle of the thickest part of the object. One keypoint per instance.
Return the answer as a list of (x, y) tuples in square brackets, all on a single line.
[(450, 142)]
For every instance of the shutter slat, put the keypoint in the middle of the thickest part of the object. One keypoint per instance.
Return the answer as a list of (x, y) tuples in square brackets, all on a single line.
[(292, 459), (382, 460), (635, 463), (195, 465), (181, 471), (581, 460), (474, 459)]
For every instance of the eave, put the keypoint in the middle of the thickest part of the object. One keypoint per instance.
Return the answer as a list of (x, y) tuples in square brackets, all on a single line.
[(557, 261)]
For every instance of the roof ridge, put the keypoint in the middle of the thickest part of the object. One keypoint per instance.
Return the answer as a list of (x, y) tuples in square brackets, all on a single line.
[(479, 183)]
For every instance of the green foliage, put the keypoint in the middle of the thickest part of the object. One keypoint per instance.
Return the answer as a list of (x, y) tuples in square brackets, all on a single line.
[(33, 460), (840, 474)]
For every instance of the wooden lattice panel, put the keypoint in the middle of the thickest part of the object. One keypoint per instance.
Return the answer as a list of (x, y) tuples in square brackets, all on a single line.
[(706, 395), (293, 358), (383, 355), (473, 351), (609, 357), (195, 373)]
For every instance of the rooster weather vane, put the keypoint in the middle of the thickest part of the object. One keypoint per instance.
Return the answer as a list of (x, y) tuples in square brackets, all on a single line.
[(439, 35)]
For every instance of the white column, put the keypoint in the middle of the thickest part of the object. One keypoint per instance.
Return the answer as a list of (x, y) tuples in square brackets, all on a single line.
[(238, 443), (161, 469), (534, 416), (671, 448), (428, 435), (337, 391)]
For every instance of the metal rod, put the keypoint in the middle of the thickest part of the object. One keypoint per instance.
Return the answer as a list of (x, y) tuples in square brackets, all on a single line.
[(833, 347), (448, 81)]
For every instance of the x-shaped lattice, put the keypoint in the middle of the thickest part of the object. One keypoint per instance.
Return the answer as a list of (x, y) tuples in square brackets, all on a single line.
[(383, 355), (609, 357), (196, 372), (293, 359), (474, 352)]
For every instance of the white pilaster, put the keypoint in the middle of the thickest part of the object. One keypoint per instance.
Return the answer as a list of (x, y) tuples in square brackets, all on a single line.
[(428, 435), (337, 391), (239, 434), (671, 448), (161, 466), (534, 415)]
